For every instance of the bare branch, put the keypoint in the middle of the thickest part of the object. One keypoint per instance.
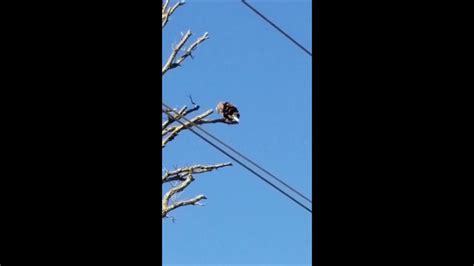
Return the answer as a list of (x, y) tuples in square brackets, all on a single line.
[(194, 201), (170, 64), (171, 128), (181, 173), (164, 7), (174, 117), (171, 119), (166, 11), (173, 191), (166, 208), (189, 123), (219, 120), (189, 178), (192, 47), (186, 125)]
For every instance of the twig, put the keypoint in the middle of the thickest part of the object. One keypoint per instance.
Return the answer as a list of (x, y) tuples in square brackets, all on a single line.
[(191, 99)]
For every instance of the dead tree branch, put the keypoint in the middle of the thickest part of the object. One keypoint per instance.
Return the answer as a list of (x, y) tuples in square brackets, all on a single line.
[(166, 207), (172, 62), (171, 132), (166, 11), (181, 173), (173, 117), (181, 127), (192, 47), (171, 126)]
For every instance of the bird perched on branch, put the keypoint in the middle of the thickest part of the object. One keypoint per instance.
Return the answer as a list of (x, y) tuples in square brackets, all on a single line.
[(228, 111)]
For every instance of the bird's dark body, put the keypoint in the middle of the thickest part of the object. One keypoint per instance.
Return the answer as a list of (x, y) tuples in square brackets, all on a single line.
[(228, 111)]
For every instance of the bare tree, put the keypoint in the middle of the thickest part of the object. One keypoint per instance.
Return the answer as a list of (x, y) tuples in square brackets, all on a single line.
[(179, 179)]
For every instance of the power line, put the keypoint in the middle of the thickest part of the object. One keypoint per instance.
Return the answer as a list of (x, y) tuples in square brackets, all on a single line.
[(248, 160), (227, 146), (259, 167), (235, 159), (276, 27), (232, 157), (252, 162)]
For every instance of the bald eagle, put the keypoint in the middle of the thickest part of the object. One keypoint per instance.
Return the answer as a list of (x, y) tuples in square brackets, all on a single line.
[(228, 111)]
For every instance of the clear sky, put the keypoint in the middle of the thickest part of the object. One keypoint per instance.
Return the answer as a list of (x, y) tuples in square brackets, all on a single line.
[(249, 63)]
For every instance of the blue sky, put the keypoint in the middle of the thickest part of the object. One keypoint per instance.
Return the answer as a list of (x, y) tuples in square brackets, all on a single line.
[(250, 64)]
